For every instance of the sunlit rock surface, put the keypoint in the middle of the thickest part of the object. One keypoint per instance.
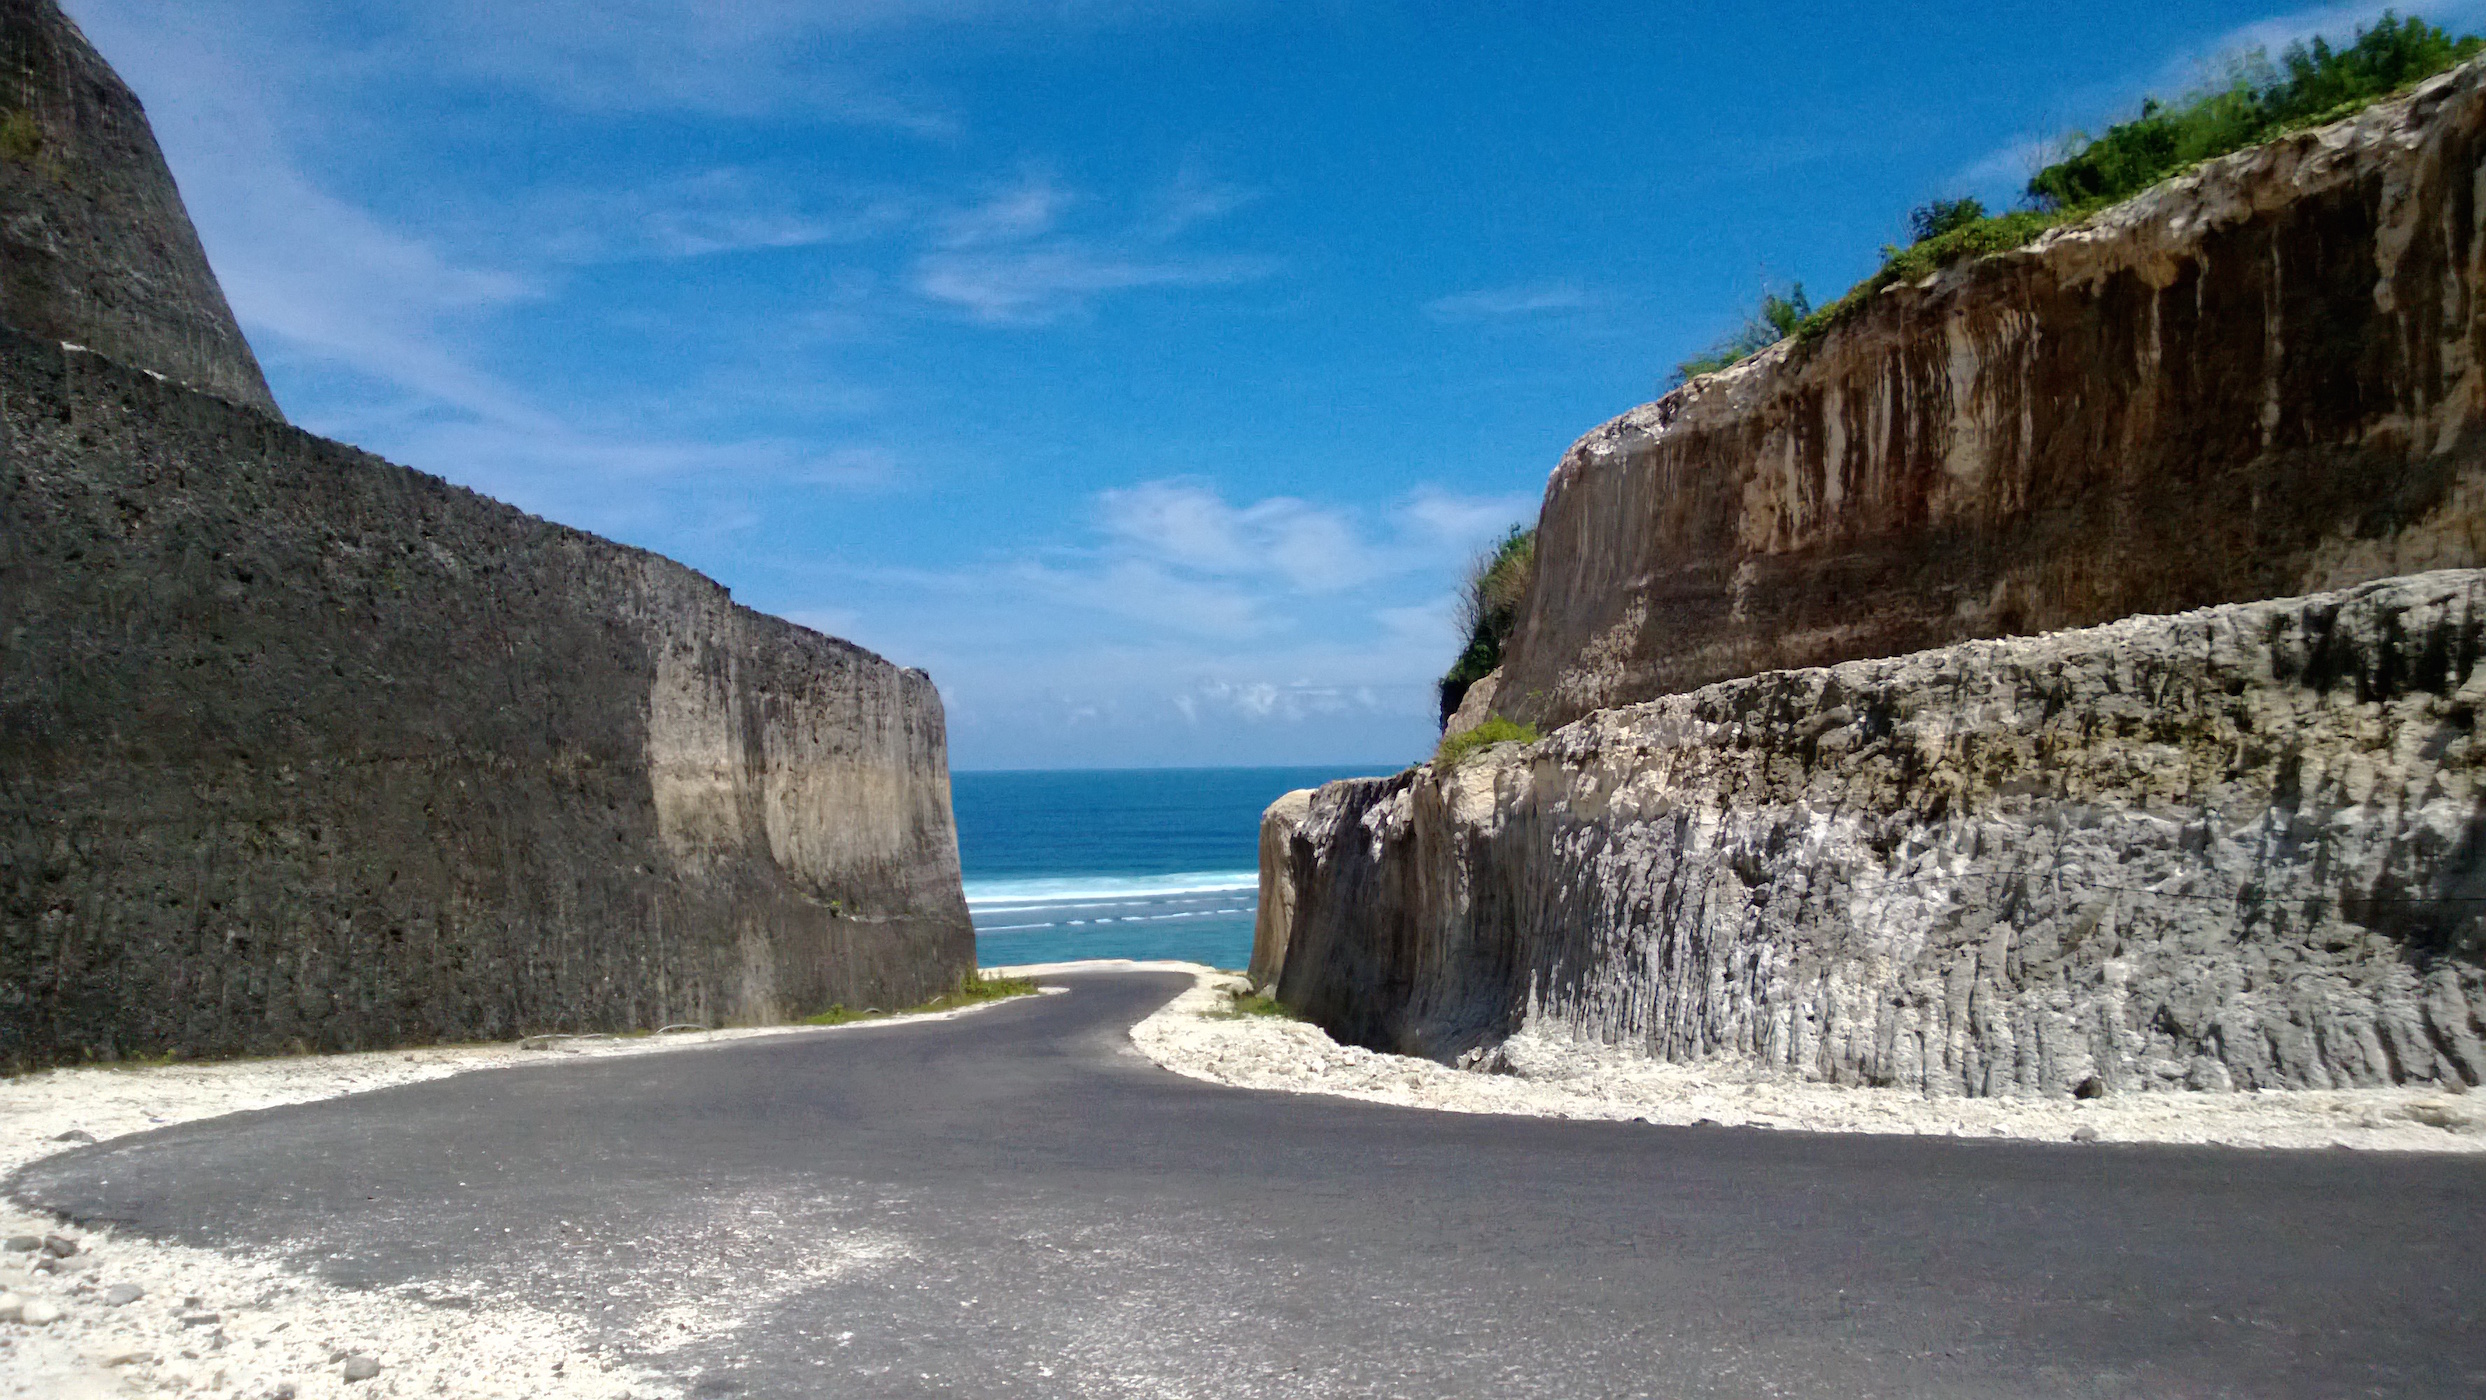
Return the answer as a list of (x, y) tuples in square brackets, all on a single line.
[(2259, 380), (2232, 848)]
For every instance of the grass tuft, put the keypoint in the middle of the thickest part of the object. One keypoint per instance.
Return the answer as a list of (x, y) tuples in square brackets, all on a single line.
[(20, 139), (1455, 749), (972, 990), (1240, 1004)]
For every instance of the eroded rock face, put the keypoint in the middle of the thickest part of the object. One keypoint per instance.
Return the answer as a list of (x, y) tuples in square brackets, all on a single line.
[(1274, 919), (300, 747), (2233, 848), (95, 246), (2260, 380)]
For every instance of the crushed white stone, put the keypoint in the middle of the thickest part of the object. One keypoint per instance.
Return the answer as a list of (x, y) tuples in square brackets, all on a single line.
[(273, 1327), (1551, 1076)]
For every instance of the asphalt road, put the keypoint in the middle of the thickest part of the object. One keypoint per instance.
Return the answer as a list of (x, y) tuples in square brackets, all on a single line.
[(1017, 1204)]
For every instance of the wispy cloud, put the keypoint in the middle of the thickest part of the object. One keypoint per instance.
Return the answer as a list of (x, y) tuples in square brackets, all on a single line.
[(729, 209), (1039, 286), (831, 59), (1028, 208), (1510, 303), (1464, 522), (1190, 526), (1007, 260), (312, 272), (2275, 34)]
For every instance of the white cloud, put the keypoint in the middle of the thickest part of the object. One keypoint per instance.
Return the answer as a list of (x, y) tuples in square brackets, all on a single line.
[(1510, 303), (302, 268), (1165, 601), (1007, 261), (829, 58), (1039, 286), (724, 210), (1027, 209), (2273, 35), (1466, 522), (1196, 198), (1188, 525)]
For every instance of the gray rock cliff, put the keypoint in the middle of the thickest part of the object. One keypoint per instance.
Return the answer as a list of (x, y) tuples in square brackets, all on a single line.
[(95, 246), (2231, 848), (2260, 379), (300, 748), (1274, 918)]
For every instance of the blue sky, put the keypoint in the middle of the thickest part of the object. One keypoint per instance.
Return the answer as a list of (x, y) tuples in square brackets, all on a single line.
[(1145, 372)]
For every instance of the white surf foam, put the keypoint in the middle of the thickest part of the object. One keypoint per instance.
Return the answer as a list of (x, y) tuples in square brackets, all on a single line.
[(1005, 896)]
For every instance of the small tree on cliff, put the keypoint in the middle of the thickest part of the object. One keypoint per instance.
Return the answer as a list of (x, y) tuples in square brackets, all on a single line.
[(1490, 602)]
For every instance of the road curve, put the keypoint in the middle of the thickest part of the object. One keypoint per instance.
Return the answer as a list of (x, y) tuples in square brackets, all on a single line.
[(1016, 1204)]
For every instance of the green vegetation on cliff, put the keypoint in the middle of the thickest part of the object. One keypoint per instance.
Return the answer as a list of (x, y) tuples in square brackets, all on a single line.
[(1489, 607), (1455, 748), (972, 990), (2311, 84), (1778, 318)]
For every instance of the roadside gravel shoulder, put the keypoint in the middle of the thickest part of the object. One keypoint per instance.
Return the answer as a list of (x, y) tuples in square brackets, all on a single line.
[(1550, 1077), (128, 1316)]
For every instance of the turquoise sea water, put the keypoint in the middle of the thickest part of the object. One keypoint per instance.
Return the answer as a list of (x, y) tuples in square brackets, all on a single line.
[(1118, 863)]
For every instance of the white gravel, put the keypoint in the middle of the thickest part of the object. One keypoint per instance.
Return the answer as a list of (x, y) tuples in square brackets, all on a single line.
[(274, 1327), (1559, 1078)]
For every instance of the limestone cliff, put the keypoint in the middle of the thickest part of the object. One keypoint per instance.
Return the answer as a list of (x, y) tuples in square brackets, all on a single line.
[(298, 747), (2239, 847), (95, 246), (302, 749), (2261, 379), (1274, 918)]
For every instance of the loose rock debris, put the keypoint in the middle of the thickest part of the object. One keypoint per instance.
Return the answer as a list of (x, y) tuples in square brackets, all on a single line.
[(1551, 1076)]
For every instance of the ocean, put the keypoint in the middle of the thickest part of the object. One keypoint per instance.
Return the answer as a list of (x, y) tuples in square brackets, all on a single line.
[(1118, 863)]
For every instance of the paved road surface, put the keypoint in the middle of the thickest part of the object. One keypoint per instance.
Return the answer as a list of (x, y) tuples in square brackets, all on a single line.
[(1016, 1204)]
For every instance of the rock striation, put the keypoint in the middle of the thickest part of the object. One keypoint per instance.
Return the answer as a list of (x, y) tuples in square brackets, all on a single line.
[(95, 246), (301, 748), (2231, 848), (2259, 380)]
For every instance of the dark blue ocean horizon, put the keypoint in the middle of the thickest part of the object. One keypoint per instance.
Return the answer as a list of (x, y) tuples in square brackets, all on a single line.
[(1119, 862)]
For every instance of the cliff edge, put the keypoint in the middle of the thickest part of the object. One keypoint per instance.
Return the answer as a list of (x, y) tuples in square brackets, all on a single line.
[(2260, 379), (95, 246)]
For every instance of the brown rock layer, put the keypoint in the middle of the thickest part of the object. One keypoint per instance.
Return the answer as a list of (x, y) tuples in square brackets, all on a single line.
[(2262, 379)]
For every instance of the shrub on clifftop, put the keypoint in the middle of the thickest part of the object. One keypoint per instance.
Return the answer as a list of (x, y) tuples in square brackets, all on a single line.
[(2311, 84)]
